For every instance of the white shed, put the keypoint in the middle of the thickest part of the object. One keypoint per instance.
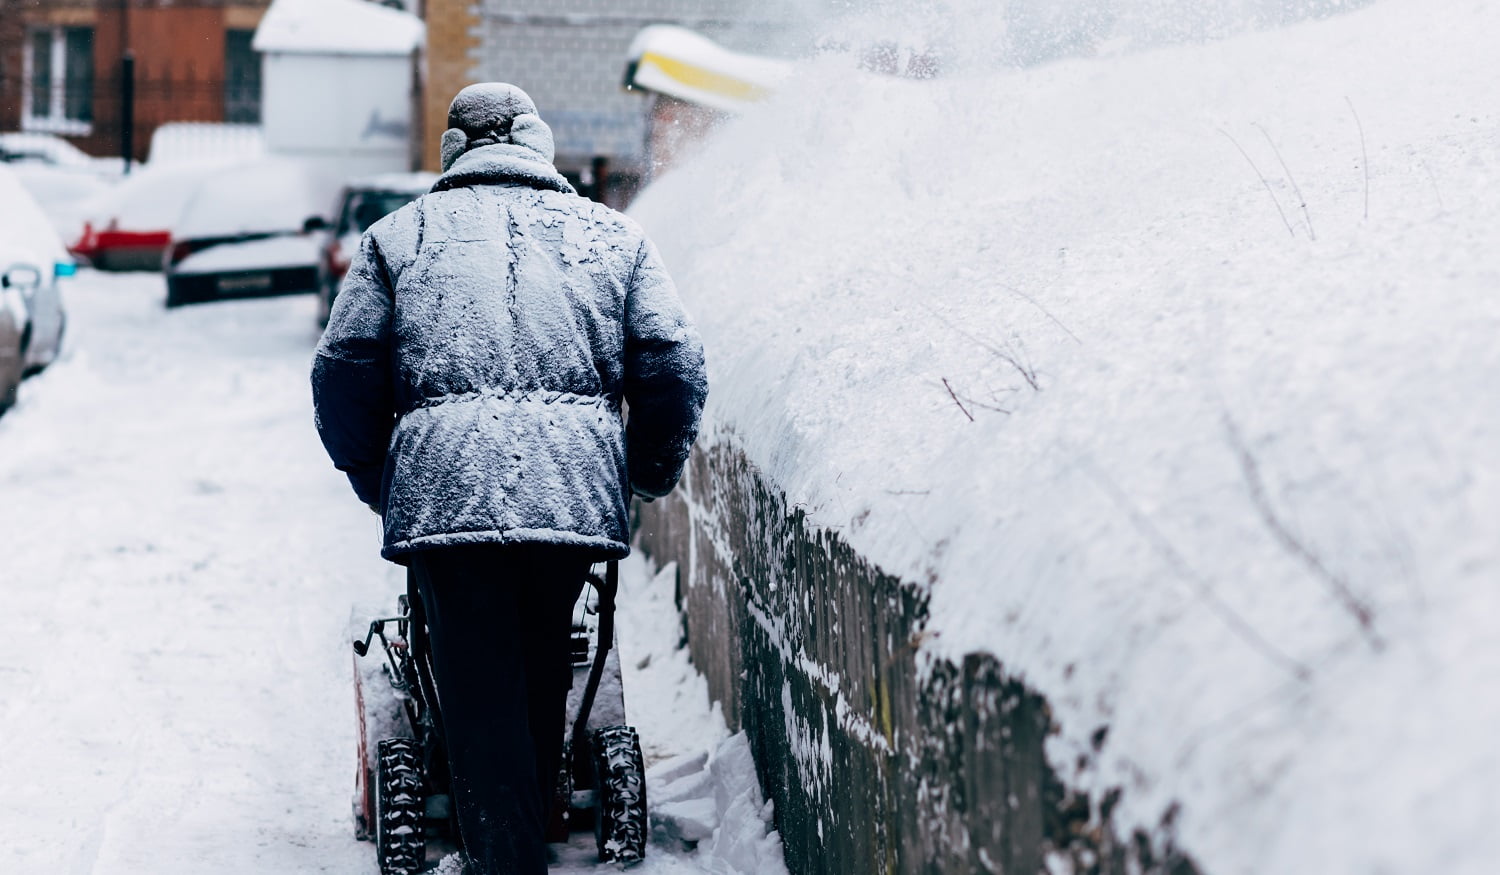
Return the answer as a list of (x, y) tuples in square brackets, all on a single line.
[(338, 79)]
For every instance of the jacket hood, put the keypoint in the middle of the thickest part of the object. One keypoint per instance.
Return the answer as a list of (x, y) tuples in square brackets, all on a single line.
[(502, 163)]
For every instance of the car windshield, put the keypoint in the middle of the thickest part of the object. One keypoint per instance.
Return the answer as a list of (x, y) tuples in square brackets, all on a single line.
[(368, 207)]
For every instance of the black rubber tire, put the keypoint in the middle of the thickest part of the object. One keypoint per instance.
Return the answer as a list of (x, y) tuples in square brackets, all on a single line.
[(620, 825), (399, 807)]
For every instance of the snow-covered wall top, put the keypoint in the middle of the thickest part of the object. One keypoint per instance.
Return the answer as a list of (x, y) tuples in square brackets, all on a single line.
[(346, 27), (1173, 373)]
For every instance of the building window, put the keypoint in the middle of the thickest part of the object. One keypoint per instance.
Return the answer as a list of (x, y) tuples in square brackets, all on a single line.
[(60, 64), (241, 78)]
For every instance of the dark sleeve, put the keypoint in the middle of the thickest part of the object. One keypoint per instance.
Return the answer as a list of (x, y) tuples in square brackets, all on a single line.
[(351, 375), (665, 380)]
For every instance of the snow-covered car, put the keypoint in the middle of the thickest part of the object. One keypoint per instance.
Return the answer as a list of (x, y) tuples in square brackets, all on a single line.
[(247, 230), (33, 261), (62, 178), (361, 204), (129, 226), (22, 148)]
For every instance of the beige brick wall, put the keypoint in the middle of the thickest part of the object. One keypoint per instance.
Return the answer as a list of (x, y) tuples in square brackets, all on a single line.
[(452, 43)]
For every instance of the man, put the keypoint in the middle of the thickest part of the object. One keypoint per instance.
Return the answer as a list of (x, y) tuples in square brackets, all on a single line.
[(471, 384)]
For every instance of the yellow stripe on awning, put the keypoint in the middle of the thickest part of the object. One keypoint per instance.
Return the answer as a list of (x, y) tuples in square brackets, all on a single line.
[(705, 80)]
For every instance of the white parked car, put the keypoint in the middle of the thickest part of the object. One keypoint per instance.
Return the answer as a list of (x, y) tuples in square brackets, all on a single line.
[(20, 148), (33, 261), (248, 230), (62, 178)]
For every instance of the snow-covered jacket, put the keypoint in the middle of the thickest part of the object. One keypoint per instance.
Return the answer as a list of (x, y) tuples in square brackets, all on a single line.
[(473, 372)]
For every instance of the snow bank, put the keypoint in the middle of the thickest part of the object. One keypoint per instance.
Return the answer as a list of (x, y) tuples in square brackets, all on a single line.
[(348, 27), (1171, 372), (716, 805)]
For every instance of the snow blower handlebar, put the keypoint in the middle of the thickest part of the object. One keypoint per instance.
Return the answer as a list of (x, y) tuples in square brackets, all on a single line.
[(607, 588)]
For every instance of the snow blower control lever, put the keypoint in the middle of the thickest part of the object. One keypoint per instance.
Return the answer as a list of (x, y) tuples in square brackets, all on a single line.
[(606, 588), (377, 627)]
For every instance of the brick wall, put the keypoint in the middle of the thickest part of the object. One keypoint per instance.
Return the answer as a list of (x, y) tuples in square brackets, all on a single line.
[(448, 61), (878, 761), (179, 51)]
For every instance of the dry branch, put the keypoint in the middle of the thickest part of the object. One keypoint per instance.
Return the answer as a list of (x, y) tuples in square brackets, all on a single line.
[(1365, 157), (1016, 358), (1231, 618), (954, 396), (1342, 591), (1263, 181), (1296, 189)]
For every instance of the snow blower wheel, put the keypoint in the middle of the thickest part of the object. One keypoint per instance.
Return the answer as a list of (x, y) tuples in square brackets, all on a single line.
[(620, 823), (399, 805)]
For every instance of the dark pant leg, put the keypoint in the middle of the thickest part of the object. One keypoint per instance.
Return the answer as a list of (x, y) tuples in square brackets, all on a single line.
[(498, 622), (549, 657)]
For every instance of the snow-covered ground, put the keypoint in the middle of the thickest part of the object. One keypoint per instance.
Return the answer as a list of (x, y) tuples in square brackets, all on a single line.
[(178, 560), (1175, 371)]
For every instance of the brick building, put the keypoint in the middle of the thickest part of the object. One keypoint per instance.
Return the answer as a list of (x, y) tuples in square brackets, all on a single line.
[(570, 56), (61, 66)]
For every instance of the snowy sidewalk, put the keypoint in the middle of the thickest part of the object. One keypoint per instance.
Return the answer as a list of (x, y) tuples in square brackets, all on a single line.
[(179, 559)]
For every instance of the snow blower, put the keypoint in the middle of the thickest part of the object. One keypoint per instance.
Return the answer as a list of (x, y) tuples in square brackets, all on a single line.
[(403, 797)]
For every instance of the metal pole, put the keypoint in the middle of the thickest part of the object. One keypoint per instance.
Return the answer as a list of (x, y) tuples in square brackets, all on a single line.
[(601, 178), (127, 107)]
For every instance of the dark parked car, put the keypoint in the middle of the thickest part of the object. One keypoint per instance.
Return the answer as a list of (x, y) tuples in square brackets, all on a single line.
[(361, 204), (247, 231)]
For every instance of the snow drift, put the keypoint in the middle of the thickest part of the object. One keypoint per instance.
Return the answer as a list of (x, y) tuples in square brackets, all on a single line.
[(1172, 373)]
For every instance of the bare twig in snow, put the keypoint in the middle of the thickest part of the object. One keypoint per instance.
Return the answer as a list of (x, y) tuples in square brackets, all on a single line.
[(954, 396), (1297, 190), (1365, 155), (1263, 181), (1016, 358), (1236, 623), (969, 402), (1342, 592), (1045, 312)]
